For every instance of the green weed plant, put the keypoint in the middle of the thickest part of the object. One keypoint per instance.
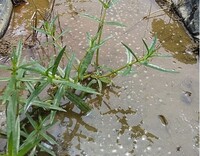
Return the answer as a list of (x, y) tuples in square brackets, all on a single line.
[(29, 80)]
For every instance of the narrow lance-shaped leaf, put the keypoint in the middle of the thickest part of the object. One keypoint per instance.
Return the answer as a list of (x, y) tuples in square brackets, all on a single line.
[(86, 61), (69, 67), (76, 86), (146, 46), (57, 60), (17, 135), (44, 148), (112, 2), (60, 35), (113, 23), (47, 106), (78, 102), (94, 18), (129, 49), (35, 94), (159, 68), (57, 99), (153, 44), (129, 56)]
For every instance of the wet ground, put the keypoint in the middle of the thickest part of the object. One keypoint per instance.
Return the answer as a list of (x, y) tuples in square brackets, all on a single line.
[(147, 113)]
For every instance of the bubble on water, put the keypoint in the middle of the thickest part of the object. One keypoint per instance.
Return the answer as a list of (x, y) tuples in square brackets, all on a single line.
[(108, 135), (114, 151), (160, 100), (169, 153), (121, 147), (159, 148), (148, 148), (127, 154), (128, 96), (144, 137), (102, 150)]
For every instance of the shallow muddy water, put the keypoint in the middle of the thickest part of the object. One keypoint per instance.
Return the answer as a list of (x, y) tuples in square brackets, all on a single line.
[(147, 113)]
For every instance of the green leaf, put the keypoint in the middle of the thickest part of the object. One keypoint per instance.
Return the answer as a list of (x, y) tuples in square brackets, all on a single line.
[(146, 46), (158, 68), (18, 53), (62, 34), (69, 67), (76, 86), (100, 85), (4, 79), (106, 80), (127, 71), (33, 123), (85, 62), (113, 23), (59, 94), (112, 2), (10, 145), (41, 31), (129, 56), (35, 94), (47, 150), (31, 144), (78, 102), (5, 67), (151, 49), (57, 60), (36, 68), (129, 49), (94, 18), (153, 44), (105, 5), (47, 106), (48, 138), (16, 136)]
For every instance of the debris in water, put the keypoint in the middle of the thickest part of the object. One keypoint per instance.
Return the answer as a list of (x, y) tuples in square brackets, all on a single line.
[(163, 120)]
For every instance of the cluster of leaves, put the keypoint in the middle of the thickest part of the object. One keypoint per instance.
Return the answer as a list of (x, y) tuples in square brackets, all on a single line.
[(29, 81)]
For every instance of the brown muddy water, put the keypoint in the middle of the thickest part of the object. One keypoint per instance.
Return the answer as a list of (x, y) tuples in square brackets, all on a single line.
[(147, 113)]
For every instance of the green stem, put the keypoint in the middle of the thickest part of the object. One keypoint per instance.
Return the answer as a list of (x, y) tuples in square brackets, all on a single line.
[(114, 71), (100, 31)]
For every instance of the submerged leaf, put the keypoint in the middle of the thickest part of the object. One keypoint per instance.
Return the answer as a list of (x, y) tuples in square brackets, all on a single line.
[(163, 120)]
